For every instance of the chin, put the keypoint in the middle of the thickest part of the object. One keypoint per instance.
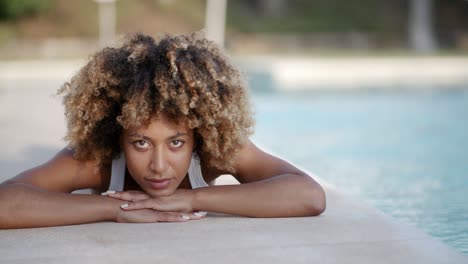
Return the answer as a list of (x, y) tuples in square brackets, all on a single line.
[(163, 192)]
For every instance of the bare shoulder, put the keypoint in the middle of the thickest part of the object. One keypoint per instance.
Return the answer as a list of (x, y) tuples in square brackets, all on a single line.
[(64, 173), (254, 164)]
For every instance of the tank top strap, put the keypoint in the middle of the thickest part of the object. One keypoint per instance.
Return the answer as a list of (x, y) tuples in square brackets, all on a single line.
[(195, 173), (118, 173)]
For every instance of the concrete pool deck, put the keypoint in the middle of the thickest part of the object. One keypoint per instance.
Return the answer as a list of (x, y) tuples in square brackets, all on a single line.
[(349, 231)]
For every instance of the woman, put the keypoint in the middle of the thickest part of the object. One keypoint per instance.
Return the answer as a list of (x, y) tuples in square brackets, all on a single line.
[(151, 122)]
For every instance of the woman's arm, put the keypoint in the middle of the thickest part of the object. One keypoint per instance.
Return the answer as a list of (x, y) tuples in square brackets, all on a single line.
[(24, 205), (284, 195), (41, 197), (270, 187)]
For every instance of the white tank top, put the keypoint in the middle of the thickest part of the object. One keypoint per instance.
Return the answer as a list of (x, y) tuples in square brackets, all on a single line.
[(119, 165)]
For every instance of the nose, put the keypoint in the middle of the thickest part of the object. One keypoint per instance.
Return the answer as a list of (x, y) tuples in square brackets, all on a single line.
[(159, 161)]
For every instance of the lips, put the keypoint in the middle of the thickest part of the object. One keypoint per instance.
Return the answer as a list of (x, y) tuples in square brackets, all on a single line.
[(158, 184)]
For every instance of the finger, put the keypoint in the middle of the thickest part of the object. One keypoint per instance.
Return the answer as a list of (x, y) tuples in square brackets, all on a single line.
[(131, 196), (197, 215), (173, 217), (108, 192), (112, 194), (143, 204), (116, 195)]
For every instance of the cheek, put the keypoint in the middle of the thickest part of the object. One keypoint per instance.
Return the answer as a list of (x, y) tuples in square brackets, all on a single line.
[(180, 163), (136, 163), (180, 160)]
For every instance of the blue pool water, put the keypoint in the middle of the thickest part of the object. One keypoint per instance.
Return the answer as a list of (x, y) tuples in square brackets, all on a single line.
[(403, 152)]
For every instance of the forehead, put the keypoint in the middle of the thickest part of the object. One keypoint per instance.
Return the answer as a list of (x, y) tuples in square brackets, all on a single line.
[(161, 125)]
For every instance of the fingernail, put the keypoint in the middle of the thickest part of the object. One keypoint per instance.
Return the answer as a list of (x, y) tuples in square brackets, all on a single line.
[(185, 217), (110, 192), (104, 193), (124, 205), (199, 213)]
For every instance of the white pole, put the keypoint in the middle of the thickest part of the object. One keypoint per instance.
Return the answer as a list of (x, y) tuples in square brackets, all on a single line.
[(215, 20), (420, 26), (106, 21)]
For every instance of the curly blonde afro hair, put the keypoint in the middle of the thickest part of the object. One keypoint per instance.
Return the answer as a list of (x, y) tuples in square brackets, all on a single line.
[(184, 77)]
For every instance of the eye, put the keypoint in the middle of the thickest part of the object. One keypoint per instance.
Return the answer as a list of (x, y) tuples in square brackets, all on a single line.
[(177, 143), (141, 144)]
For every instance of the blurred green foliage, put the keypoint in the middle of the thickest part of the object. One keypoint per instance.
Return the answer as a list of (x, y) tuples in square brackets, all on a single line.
[(302, 16), (13, 9), (382, 22)]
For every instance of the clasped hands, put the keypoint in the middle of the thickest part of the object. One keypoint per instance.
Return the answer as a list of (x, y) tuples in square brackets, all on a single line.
[(139, 207)]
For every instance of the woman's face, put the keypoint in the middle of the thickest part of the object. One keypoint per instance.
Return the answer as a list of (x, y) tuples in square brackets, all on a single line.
[(158, 156)]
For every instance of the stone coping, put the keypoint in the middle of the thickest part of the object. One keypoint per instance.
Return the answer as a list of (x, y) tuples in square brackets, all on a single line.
[(348, 232)]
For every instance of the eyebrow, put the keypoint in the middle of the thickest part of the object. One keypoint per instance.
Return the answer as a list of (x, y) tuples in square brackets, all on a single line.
[(178, 134)]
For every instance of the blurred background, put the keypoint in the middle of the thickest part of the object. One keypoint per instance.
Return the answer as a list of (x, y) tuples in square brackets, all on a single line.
[(370, 95), (60, 28)]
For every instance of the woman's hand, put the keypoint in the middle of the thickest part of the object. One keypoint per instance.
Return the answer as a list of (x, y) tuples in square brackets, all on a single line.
[(180, 201), (151, 216), (130, 196), (140, 207)]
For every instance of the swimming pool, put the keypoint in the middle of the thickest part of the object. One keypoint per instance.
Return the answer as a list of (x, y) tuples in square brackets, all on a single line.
[(403, 152)]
